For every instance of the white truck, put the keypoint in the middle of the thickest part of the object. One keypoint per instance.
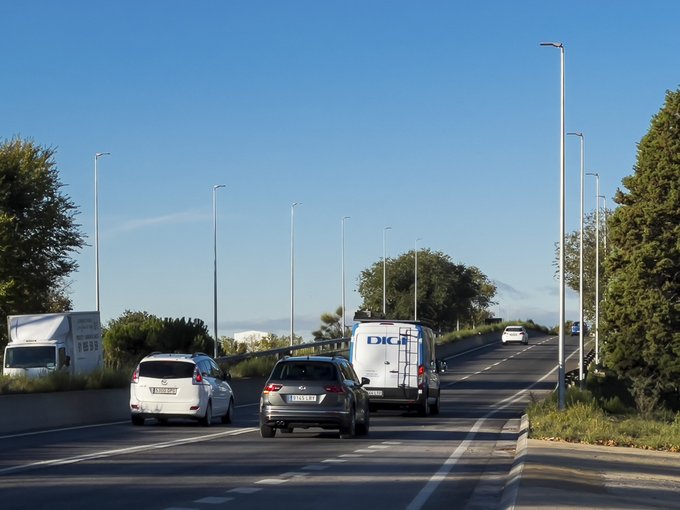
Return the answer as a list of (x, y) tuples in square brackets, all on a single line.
[(399, 359), (42, 343)]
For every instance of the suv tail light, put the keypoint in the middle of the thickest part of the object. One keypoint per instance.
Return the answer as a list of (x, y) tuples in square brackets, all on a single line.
[(334, 388), (197, 377), (272, 388)]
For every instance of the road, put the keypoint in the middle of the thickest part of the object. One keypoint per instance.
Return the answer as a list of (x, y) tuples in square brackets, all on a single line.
[(458, 459)]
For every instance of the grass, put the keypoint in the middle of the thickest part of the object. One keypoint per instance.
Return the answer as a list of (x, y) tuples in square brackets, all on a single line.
[(602, 414), (488, 328), (61, 381)]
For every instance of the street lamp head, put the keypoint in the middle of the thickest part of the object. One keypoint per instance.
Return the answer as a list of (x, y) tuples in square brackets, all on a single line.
[(99, 154), (295, 203), (553, 44), (576, 133), (387, 228), (593, 173), (217, 186)]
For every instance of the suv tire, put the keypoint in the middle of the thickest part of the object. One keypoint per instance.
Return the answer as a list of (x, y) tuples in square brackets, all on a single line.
[(363, 428), (349, 430), (267, 431)]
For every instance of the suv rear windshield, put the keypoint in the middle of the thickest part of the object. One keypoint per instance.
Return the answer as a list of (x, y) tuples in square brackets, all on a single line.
[(166, 369), (305, 371)]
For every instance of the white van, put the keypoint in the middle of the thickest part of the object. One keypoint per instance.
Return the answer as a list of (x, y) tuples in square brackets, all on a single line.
[(399, 359)]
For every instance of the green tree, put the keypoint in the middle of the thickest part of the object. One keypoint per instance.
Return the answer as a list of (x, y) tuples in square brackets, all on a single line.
[(572, 256), (448, 293), (641, 305), (136, 334), (331, 326), (38, 232)]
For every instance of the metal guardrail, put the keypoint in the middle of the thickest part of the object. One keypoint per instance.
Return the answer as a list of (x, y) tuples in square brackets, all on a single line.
[(320, 347)]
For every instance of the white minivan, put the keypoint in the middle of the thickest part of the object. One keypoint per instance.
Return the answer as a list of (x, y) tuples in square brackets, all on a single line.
[(399, 359), (192, 386)]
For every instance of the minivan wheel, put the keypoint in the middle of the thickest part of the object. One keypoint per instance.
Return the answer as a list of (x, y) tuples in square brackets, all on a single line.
[(206, 421), (229, 415), (267, 431), (137, 420), (349, 430)]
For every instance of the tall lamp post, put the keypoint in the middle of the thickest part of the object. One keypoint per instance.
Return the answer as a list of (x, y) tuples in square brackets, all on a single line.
[(96, 227), (581, 376), (415, 283), (597, 265), (342, 265), (292, 271), (560, 361), (214, 189), (385, 269)]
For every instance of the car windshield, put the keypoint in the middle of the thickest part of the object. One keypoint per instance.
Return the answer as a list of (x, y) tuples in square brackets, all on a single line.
[(166, 369), (304, 371)]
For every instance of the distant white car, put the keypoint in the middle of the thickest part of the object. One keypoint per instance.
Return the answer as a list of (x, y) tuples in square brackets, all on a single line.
[(180, 386), (515, 334)]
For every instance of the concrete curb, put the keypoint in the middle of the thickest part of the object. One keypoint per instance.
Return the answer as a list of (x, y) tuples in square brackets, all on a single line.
[(511, 489)]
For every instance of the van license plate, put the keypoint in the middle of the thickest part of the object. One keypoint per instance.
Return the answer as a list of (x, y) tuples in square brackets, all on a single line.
[(301, 398), (164, 391), (375, 393)]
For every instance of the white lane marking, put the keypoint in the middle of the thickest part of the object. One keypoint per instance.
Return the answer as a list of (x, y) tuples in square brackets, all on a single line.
[(432, 484), (364, 450), (294, 474), (392, 442), (331, 461), (212, 500), (124, 451), (379, 446), (350, 455), (244, 490), (271, 481)]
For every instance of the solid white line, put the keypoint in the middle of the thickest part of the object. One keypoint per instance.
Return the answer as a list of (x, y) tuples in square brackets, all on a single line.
[(432, 484), (124, 451)]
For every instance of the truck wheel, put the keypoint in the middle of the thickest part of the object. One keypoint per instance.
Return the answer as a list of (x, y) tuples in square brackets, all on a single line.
[(137, 420)]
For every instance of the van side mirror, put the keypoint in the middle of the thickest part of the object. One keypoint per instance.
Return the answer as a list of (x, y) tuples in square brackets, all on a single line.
[(365, 381)]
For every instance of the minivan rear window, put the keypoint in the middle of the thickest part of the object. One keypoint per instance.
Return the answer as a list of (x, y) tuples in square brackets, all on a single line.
[(166, 369)]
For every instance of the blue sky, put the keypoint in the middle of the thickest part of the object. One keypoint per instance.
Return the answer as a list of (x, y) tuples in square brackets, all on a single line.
[(438, 119)]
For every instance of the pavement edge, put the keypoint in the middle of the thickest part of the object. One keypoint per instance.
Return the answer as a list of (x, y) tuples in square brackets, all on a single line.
[(511, 489)]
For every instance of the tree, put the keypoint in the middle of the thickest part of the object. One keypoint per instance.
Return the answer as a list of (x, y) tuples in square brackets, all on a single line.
[(331, 326), (447, 292), (572, 260), (136, 334), (641, 305), (38, 232)]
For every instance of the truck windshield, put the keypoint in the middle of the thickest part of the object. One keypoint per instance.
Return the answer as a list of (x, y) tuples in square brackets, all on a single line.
[(30, 357)]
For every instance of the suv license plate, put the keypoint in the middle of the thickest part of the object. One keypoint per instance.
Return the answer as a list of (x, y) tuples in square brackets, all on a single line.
[(301, 398), (375, 393), (164, 391)]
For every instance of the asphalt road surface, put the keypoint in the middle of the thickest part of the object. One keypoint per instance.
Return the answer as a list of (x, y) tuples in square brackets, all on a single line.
[(458, 459)]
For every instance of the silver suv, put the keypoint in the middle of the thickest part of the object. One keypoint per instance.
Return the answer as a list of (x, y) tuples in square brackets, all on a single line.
[(314, 391), (192, 386)]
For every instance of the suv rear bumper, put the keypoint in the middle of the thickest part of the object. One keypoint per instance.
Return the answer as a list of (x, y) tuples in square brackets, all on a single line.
[(283, 417)]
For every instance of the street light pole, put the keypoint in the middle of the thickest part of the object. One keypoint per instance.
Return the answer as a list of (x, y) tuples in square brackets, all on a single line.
[(96, 227), (581, 375), (214, 189), (561, 372), (597, 266), (385, 270), (342, 258), (415, 292), (292, 271)]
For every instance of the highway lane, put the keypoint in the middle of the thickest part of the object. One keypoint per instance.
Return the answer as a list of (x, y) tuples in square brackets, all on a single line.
[(459, 459)]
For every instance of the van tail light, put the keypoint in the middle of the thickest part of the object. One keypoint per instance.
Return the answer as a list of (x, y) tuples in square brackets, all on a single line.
[(197, 377), (135, 376), (334, 388), (272, 388), (421, 376)]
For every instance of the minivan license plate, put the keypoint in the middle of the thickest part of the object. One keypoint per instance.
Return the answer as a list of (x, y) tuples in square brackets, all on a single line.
[(301, 398), (164, 391)]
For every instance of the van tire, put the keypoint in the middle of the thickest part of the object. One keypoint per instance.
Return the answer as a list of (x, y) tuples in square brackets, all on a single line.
[(424, 408), (434, 408), (137, 420)]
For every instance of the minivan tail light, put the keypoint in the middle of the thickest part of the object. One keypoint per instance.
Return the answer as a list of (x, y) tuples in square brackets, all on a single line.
[(197, 378), (135, 375), (272, 388), (334, 388)]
